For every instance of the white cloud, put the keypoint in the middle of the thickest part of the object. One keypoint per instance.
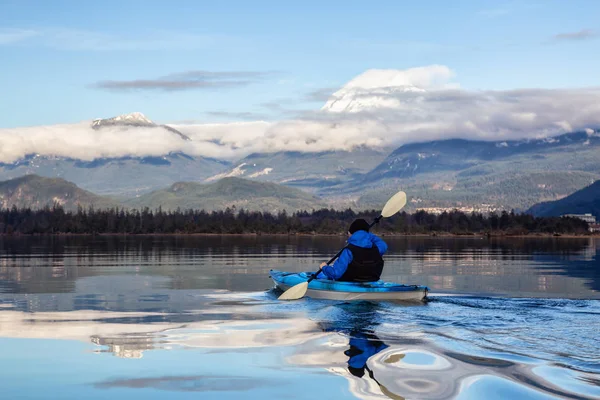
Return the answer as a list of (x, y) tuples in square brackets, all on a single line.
[(229, 140), (564, 125), (384, 113), (82, 142)]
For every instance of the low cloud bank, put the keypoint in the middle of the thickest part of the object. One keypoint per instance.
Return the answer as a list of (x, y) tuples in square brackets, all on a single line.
[(379, 108)]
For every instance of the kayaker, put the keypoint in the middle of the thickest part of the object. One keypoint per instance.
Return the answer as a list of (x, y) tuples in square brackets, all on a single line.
[(363, 345), (361, 260)]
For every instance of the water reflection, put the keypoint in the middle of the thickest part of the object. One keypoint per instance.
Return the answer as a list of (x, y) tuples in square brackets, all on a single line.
[(537, 267), (128, 346), (464, 348), (357, 321), (362, 347), (506, 266), (583, 264), (385, 357), (140, 316)]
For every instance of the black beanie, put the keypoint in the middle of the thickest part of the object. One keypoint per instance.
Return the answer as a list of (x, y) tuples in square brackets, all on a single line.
[(359, 225)]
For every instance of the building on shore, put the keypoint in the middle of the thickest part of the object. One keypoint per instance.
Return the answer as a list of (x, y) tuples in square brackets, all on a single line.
[(589, 218), (595, 228)]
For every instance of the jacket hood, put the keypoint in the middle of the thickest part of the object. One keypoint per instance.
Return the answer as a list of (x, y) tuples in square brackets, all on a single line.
[(362, 239)]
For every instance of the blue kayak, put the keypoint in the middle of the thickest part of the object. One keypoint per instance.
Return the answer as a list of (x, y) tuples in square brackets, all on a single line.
[(334, 290)]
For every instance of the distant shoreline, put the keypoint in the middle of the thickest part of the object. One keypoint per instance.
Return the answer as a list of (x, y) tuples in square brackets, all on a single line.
[(56, 221), (382, 234)]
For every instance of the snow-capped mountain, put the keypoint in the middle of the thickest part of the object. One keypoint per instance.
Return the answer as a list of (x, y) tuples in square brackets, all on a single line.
[(136, 119), (371, 90), (125, 155), (382, 88), (342, 155)]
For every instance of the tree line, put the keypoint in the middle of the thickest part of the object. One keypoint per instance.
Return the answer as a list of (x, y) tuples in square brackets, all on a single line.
[(56, 220)]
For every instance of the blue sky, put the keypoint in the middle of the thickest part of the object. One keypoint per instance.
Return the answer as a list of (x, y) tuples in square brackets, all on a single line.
[(56, 57)]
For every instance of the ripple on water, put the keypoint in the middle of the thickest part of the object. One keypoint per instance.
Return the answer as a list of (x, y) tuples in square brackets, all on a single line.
[(465, 347), (429, 373)]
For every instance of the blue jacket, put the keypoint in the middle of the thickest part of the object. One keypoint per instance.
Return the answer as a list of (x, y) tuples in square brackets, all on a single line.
[(365, 348), (359, 238)]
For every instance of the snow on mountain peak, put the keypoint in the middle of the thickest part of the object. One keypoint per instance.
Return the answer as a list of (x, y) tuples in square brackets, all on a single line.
[(378, 88), (135, 119), (134, 116)]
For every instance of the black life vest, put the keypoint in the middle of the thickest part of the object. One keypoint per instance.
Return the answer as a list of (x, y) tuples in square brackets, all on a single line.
[(366, 265)]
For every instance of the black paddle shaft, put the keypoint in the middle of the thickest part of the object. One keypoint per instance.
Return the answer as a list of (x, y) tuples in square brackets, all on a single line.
[(376, 221)]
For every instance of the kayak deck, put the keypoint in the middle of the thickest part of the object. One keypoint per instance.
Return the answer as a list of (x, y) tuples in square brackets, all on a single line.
[(334, 290)]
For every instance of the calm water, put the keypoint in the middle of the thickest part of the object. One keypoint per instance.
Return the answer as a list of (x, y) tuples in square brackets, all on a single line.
[(195, 317)]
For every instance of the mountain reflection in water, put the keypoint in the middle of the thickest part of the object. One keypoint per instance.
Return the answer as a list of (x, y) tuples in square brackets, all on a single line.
[(382, 350), (84, 266), (196, 317)]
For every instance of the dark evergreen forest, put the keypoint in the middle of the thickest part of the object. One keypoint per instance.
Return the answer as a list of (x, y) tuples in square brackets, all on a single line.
[(55, 220)]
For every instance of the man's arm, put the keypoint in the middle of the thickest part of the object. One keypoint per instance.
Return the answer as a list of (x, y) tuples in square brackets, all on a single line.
[(381, 245), (339, 267)]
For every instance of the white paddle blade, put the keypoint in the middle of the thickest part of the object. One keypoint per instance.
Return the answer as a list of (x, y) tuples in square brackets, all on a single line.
[(394, 204), (295, 292)]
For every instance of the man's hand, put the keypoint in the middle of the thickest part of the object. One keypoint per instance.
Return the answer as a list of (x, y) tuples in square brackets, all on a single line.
[(323, 264)]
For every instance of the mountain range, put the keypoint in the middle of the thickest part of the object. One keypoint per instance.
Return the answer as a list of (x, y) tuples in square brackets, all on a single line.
[(314, 172), (504, 175), (34, 191), (229, 192), (441, 174), (586, 200), (122, 176), (132, 157)]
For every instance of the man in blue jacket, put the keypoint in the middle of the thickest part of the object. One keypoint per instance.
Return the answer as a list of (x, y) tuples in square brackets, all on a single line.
[(361, 260)]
